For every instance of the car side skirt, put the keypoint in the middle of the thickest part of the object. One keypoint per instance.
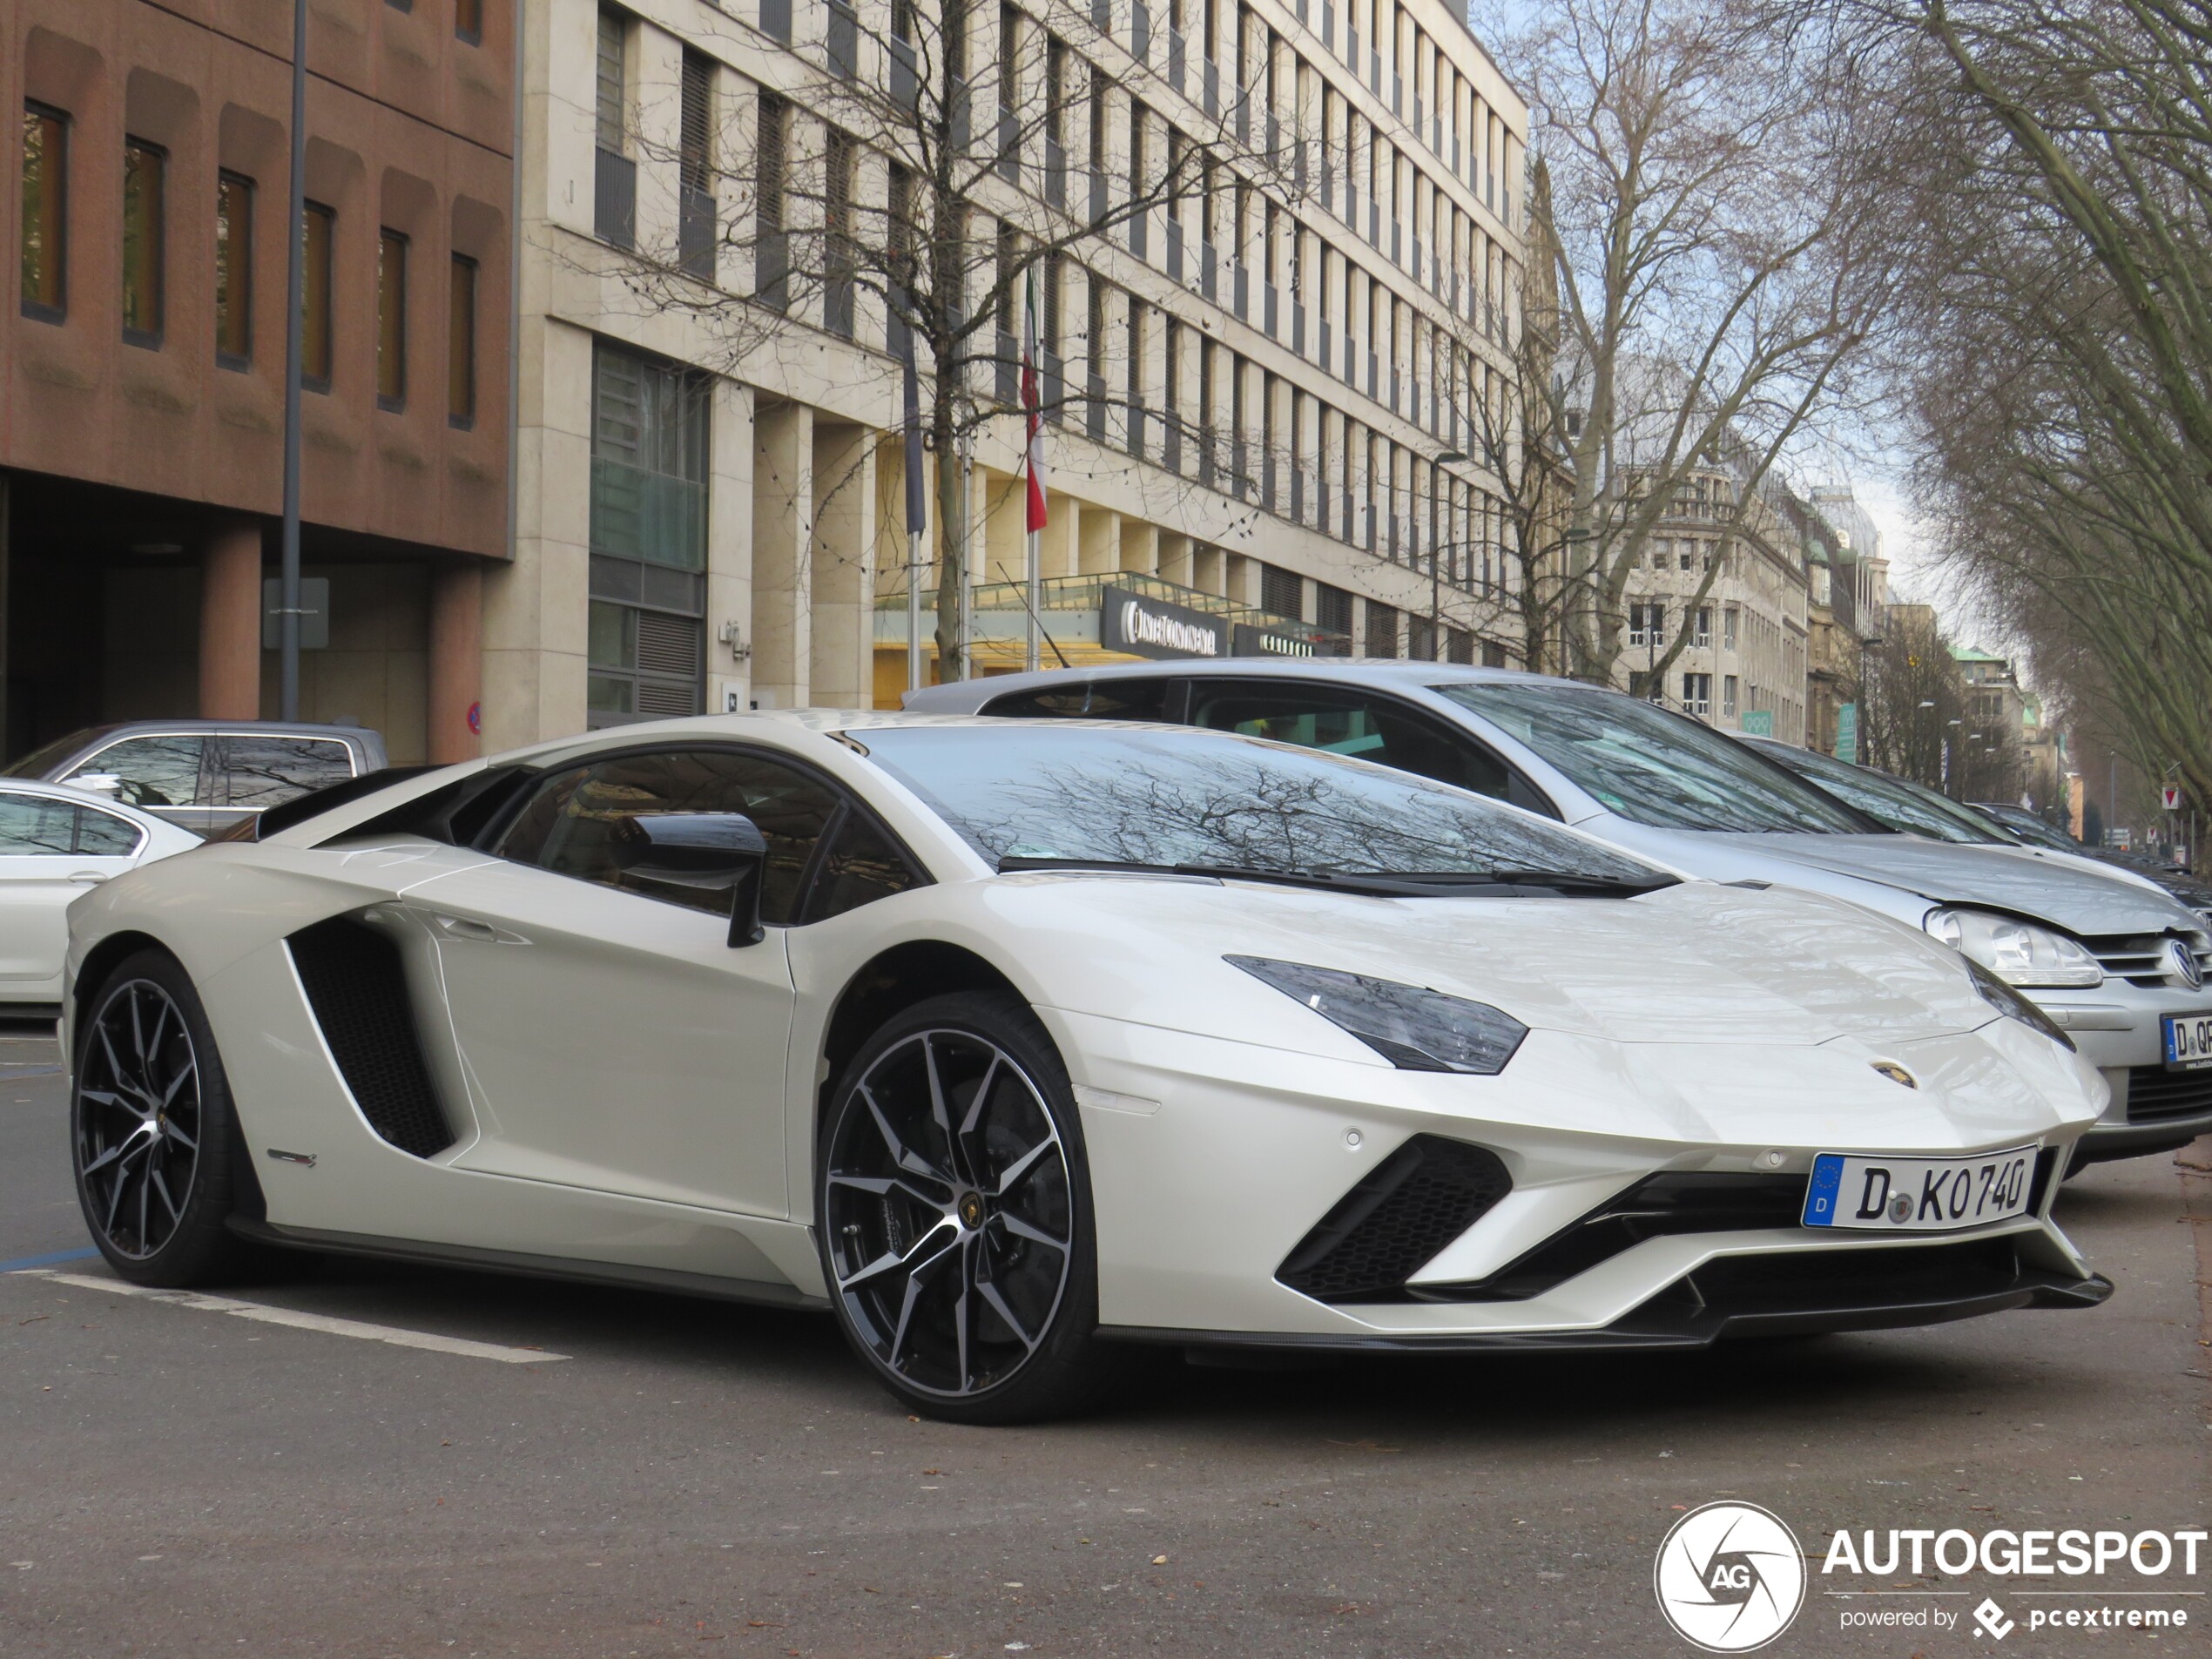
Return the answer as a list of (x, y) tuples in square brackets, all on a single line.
[(518, 1263)]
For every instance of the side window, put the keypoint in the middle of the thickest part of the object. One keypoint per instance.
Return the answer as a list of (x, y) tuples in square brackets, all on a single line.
[(1115, 699), (102, 835), (860, 867), (260, 772), (32, 826), (578, 821), (150, 771), (1348, 724)]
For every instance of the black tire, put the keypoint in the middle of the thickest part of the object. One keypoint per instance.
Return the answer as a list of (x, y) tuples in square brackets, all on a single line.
[(959, 1248), (152, 1137)]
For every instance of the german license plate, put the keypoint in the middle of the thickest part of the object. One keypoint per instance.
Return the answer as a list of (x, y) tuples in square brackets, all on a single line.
[(1907, 1195), (2188, 1040)]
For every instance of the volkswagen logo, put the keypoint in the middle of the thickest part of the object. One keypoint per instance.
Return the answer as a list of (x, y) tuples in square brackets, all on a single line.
[(2181, 964), (1730, 1577)]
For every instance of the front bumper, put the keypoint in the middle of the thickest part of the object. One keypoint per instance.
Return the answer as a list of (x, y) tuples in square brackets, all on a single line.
[(1213, 1162), (1848, 1293), (2117, 1029)]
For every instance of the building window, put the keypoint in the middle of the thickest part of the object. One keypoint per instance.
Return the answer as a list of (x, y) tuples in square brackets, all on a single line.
[(1727, 696), (318, 234), (469, 21), (614, 200), (461, 344), (1701, 635), (144, 175), (1697, 694), (1648, 624), (391, 320), (1382, 631), (233, 271), (1687, 553), (46, 213), (1282, 593), (1728, 628), (646, 650)]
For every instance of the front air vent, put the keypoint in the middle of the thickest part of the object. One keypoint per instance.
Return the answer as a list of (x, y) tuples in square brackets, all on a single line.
[(1411, 1206), (356, 985), (2157, 1095)]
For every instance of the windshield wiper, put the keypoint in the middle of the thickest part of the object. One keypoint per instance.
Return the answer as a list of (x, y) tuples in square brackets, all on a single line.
[(1370, 886), (1575, 882), (1389, 884)]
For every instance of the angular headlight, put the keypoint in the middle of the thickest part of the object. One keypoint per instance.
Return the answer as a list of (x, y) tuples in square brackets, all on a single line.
[(1414, 1030), (2010, 1003), (2019, 953)]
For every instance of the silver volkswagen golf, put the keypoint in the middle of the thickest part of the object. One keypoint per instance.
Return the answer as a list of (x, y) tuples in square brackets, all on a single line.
[(2118, 965)]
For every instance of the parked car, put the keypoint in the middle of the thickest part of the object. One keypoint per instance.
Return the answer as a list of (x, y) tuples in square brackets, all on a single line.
[(2119, 965), (1009, 1044), (1917, 810), (205, 774), (2039, 832), (56, 844)]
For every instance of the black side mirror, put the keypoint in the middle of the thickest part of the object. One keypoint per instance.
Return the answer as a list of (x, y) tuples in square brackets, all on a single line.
[(703, 854)]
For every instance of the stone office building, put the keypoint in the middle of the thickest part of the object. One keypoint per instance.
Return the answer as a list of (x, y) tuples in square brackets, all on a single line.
[(147, 163), (1267, 389)]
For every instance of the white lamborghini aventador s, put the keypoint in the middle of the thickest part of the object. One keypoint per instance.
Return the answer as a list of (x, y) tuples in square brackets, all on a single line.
[(1008, 1044)]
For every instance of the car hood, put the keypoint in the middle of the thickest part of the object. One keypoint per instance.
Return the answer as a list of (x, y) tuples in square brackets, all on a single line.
[(2082, 901), (1696, 963)]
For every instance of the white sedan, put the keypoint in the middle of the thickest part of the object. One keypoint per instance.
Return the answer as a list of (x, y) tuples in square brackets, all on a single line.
[(57, 843), (1014, 1044)]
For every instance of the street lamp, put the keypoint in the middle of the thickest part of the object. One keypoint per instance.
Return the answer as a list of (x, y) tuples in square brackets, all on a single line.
[(1437, 463)]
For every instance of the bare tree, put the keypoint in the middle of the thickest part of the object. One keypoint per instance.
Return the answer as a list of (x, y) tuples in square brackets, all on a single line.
[(931, 175), (1707, 184), (2057, 331)]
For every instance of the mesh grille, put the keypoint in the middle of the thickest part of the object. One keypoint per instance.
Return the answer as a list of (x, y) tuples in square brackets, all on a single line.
[(358, 989), (1418, 1200), (2156, 1095)]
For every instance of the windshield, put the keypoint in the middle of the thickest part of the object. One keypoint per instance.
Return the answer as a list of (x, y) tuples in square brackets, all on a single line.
[(2034, 830), (1651, 766), (1130, 795), (1892, 800)]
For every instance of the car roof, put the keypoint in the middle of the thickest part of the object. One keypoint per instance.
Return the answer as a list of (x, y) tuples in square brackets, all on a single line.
[(1397, 672), (283, 728)]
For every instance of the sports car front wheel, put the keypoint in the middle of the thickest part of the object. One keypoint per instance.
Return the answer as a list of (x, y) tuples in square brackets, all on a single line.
[(953, 1204), (150, 1129)]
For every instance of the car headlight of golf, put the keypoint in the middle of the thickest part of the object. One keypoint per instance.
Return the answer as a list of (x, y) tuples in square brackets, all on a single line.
[(2018, 952)]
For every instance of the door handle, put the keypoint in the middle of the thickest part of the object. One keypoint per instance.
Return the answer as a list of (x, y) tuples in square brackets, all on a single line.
[(88, 878), (461, 927), (481, 933)]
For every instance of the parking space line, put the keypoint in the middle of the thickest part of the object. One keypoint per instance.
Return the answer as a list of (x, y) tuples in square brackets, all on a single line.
[(359, 1328)]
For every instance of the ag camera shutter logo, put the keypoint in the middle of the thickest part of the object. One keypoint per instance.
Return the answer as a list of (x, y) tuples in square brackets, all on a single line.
[(1730, 1577)]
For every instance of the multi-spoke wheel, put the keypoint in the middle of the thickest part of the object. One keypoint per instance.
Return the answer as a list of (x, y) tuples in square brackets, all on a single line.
[(150, 1115), (955, 1214)]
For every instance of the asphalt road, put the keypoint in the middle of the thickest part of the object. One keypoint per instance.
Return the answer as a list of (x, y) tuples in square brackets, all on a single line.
[(696, 1479)]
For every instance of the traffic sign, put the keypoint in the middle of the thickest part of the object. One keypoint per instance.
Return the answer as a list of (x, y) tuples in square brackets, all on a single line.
[(2169, 797)]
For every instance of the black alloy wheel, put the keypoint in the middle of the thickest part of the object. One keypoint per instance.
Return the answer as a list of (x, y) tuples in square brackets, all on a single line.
[(150, 1127), (955, 1218)]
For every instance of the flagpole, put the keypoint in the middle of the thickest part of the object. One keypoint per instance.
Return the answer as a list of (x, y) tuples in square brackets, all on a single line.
[(1033, 506), (1030, 659), (917, 511)]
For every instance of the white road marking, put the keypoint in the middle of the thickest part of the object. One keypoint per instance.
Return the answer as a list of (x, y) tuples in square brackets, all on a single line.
[(360, 1329)]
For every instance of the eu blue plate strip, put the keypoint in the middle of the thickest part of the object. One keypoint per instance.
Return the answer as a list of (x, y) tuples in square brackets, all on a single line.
[(54, 1260)]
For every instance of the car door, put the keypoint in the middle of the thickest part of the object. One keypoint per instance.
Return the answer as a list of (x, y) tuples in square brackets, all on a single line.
[(166, 773), (613, 1037), (50, 851), (1349, 720), (254, 771)]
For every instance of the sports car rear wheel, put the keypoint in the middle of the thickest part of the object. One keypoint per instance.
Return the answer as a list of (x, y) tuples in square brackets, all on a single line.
[(150, 1122), (954, 1211)]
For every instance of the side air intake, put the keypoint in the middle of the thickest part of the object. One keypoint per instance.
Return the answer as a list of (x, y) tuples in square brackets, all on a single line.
[(1411, 1206), (357, 987)]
